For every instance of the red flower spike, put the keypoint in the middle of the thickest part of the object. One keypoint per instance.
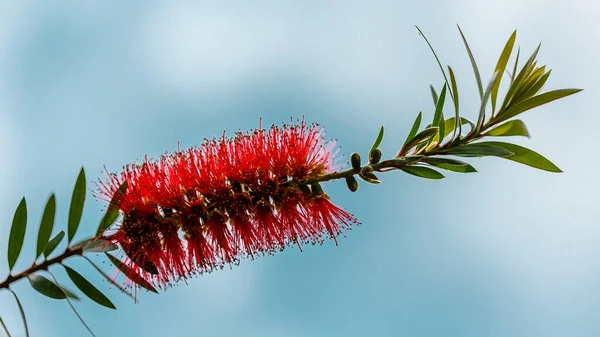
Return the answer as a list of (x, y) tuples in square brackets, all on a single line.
[(193, 211)]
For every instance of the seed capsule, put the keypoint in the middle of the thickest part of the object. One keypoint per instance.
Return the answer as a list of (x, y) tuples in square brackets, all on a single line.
[(352, 183)]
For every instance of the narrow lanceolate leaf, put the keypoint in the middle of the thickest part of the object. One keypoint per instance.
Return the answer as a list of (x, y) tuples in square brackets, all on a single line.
[(74, 310), (21, 311), (131, 274), (529, 82), (477, 150), (108, 278), (450, 124), (537, 85), (421, 137), (46, 225), (434, 95), (52, 244), (142, 261), (422, 171), (514, 73), (521, 77), (99, 246), (67, 292), (501, 65), (76, 208), (46, 287), (515, 127), (4, 327), (473, 64), (88, 289), (438, 117), (112, 212), (536, 101), (484, 100), (414, 129), (457, 126), (450, 164), (17, 234), (378, 140), (525, 156), (435, 55)]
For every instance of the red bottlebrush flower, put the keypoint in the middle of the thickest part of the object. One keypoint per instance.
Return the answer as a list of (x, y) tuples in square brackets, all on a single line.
[(194, 211)]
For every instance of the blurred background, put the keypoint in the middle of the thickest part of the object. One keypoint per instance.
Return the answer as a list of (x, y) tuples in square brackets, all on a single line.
[(508, 251)]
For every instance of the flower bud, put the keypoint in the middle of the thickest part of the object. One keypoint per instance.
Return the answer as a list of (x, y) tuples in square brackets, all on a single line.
[(304, 189), (369, 177), (352, 183), (374, 156), (316, 189), (355, 161), (366, 169)]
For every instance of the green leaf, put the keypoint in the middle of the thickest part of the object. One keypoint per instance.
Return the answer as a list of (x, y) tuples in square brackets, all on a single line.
[(450, 124), (515, 127), (88, 289), (524, 156), (148, 266), (21, 311), (522, 76), (68, 293), (76, 208), (422, 171), (112, 211), (108, 278), (450, 164), (52, 244), (4, 327), (457, 125), (99, 246), (514, 73), (535, 101), (501, 65), (46, 287), (535, 87), (473, 64), (131, 274), (435, 55), (46, 225), (405, 160), (378, 140), (434, 95), (421, 137), (414, 129), (17, 234), (438, 117), (73, 308), (484, 100), (477, 150), (533, 75)]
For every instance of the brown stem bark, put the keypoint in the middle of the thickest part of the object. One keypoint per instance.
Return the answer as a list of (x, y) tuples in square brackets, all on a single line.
[(41, 266)]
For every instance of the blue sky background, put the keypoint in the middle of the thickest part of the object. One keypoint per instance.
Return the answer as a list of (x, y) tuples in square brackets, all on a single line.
[(508, 251)]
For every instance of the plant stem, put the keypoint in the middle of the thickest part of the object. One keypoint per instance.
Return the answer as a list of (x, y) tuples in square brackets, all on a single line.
[(71, 251), (394, 163)]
